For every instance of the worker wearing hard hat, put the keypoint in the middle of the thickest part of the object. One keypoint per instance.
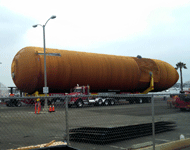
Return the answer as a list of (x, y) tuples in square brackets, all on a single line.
[(38, 105), (38, 101)]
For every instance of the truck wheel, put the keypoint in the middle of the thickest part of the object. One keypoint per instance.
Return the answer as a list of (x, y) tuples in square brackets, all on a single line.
[(112, 102), (69, 105), (79, 103), (100, 102), (106, 103)]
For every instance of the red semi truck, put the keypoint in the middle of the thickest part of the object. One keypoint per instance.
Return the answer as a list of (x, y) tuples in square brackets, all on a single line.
[(105, 98), (78, 100)]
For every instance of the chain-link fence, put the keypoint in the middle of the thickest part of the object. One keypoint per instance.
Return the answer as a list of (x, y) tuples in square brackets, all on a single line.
[(94, 122)]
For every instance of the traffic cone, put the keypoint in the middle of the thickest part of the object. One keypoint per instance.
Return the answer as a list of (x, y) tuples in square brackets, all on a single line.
[(50, 109), (53, 108)]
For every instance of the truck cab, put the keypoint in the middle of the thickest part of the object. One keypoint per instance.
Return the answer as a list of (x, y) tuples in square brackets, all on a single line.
[(78, 91)]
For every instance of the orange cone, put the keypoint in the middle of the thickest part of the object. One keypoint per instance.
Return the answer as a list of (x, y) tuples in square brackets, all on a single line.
[(50, 109), (53, 108)]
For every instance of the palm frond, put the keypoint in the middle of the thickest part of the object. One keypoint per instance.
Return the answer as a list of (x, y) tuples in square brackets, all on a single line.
[(180, 65)]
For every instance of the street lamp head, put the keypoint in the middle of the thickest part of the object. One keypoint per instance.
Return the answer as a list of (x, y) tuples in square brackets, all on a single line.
[(34, 26), (53, 17)]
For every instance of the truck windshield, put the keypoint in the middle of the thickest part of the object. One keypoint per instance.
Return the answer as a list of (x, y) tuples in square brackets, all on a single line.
[(77, 90)]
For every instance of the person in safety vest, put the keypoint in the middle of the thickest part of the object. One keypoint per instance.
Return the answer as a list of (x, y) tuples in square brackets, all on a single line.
[(38, 105)]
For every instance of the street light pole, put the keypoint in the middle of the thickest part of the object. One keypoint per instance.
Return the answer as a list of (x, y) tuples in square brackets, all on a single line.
[(45, 73), (45, 90)]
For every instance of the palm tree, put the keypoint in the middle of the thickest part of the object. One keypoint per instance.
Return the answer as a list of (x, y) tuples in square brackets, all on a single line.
[(181, 65)]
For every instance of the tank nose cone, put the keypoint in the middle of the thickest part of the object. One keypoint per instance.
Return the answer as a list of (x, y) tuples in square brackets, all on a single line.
[(173, 75), (168, 75)]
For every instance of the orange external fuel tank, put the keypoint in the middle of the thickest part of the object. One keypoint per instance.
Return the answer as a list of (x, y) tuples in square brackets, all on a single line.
[(102, 72)]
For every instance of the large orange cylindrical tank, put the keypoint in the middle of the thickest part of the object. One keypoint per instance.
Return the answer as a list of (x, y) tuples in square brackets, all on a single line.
[(102, 72)]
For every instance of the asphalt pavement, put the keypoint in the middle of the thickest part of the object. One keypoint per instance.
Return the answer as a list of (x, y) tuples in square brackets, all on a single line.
[(20, 126)]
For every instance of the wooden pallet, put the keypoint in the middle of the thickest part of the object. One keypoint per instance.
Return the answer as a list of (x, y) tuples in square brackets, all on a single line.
[(50, 144)]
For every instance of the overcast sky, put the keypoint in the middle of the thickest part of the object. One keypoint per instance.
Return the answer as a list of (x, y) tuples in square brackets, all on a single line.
[(153, 29)]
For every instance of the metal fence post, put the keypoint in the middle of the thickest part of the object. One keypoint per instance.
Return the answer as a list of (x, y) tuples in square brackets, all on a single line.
[(66, 121), (153, 124)]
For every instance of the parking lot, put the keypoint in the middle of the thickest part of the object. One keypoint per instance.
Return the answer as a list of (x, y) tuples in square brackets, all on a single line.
[(20, 126)]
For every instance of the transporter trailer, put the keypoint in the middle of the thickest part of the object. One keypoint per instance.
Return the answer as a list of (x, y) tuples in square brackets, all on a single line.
[(107, 98)]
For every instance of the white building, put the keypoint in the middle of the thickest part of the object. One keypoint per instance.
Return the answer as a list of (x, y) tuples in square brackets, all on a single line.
[(4, 91)]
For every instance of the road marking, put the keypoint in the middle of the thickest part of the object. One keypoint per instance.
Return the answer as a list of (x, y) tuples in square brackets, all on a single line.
[(117, 147), (163, 140)]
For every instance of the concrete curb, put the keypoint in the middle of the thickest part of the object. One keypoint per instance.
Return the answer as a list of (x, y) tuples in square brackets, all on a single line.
[(175, 145)]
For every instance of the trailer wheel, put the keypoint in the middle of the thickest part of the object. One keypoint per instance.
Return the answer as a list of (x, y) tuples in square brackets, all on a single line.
[(112, 102), (79, 103), (140, 100), (100, 102), (106, 103)]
